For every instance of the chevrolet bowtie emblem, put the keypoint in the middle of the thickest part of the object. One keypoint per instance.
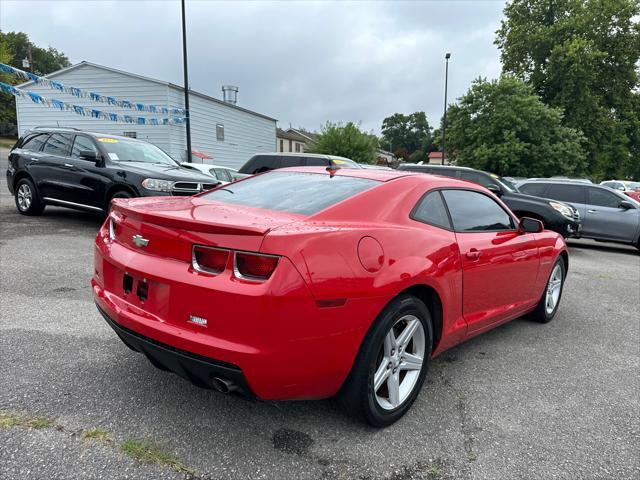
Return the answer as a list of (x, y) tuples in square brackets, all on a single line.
[(140, 241)]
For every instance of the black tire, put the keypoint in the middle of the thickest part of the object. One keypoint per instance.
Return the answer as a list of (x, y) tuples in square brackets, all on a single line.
[(117, 194), (541, 314), (357, 396), (27, 198)]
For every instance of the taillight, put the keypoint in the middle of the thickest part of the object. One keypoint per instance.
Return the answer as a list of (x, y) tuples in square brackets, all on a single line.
[(209, 259), (254, 266)]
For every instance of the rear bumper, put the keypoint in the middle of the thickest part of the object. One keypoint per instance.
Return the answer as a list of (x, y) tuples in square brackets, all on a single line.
[(198, 369), (285, 346)]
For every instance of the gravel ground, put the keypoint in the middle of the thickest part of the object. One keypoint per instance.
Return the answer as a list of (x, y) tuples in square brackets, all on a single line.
[(522, 401)]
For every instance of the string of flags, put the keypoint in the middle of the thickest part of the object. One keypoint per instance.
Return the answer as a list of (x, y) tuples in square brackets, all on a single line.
[(94, 96), (88, 111)]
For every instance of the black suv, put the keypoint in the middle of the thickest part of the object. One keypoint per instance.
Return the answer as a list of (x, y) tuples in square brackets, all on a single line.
[(557, 216), (263, 162), (72, 168)]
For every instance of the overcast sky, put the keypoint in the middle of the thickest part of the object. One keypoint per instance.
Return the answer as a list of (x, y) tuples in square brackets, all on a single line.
[(300, 62)]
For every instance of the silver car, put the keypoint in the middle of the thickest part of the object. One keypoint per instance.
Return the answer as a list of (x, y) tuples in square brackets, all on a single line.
[(607, 214)]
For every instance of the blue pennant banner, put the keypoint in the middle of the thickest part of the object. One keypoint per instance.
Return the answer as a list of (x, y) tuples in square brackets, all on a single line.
[(94, 96), (87, 111)]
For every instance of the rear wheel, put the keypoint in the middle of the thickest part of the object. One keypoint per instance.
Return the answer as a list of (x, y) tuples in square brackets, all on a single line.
[(27, 198), (391, 365), (117, 194), (548, 304)]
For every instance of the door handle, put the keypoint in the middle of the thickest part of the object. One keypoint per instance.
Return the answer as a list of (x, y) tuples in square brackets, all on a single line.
[(68, 165), (473, 254), (592, 211)]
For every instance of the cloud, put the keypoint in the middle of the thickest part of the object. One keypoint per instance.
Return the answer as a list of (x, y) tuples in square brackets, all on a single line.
[(301, 62)]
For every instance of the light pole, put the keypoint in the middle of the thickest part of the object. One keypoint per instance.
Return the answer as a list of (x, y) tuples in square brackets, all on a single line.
[(447, 56), (186, 84)]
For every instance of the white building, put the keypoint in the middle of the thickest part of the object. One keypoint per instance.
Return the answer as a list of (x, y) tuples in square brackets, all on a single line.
[(227, 132)]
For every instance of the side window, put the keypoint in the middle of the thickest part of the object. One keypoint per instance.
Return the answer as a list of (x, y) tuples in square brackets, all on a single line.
[(475, 212), (566, 193), (602, 198), (264, 163), (58, 144), (535, 189), (223, 175), (431, 210), (214, 173), (475, 177), (220, 132), (290, 162), (35, 142), (316, 162), (445, 172), (82, 143)]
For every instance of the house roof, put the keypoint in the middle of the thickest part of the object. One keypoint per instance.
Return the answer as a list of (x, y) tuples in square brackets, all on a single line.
[(290, 135), (149, 79), (435, 154), (308, 136)]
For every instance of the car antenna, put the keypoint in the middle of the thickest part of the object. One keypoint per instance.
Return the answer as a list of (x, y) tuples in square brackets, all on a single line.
[(332, 169)]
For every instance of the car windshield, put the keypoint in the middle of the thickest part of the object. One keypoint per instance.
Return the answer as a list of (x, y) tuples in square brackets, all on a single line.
[(506, 184), (134, 151), (633, 185), (302, 193)]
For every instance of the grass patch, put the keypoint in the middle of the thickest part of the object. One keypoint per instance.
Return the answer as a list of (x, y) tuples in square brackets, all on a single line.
[(13, 420), (145, 451), (96, 434), (7, 142)]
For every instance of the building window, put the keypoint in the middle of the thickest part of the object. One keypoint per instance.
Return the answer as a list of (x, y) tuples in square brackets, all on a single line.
[(297, 147), (220, 132), (130, 134), (281, 145), (290, 146)]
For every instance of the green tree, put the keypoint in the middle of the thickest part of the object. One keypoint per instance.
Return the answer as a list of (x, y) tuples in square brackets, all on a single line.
[(502, 126), (582, 56), (346, 141), (14, 48), (408, 136)]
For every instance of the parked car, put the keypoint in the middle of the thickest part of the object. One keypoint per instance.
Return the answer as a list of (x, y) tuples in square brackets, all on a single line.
[(84, 170), (608, 214), (263, 162), (557, 216), (223, 174), (630, 189), (306, 283)]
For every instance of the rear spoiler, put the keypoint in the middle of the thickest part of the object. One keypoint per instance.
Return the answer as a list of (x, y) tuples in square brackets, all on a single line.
[(165, 218)]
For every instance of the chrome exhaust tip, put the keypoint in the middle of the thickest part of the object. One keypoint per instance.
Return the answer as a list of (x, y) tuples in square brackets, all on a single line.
[(223, 385)]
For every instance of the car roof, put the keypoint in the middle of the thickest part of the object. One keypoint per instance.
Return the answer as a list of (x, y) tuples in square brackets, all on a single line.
[(429, 181), (304, 155), (78, 131), (438, 167)]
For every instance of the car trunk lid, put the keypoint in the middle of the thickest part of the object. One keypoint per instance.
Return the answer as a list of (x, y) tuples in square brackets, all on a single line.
[(169, 227)]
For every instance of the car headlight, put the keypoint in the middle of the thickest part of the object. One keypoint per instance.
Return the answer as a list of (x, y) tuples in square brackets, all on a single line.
[(157, 185), (563, 209), (11, 168)]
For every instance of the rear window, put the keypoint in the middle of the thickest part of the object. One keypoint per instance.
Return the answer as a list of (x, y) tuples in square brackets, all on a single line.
[(301, 193)]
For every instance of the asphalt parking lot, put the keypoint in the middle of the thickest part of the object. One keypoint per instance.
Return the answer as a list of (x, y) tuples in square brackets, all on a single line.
[(523, 401)]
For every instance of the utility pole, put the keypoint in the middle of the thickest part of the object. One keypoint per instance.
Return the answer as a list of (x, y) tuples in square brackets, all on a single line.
[(444, 118), (186, 84)]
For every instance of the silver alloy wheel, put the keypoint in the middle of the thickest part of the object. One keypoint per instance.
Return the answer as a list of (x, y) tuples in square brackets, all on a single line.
[(25, 197), (553, 289), (399, 362)]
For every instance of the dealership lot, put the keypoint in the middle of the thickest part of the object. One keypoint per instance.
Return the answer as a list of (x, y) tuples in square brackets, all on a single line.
[(522, 401)]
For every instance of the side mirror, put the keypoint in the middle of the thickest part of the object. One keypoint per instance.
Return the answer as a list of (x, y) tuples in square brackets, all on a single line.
[(495, 189), (626, 205), (90, 155), (531, 225)]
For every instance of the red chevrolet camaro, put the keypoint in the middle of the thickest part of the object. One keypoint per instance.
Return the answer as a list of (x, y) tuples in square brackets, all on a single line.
[(306, 283)]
